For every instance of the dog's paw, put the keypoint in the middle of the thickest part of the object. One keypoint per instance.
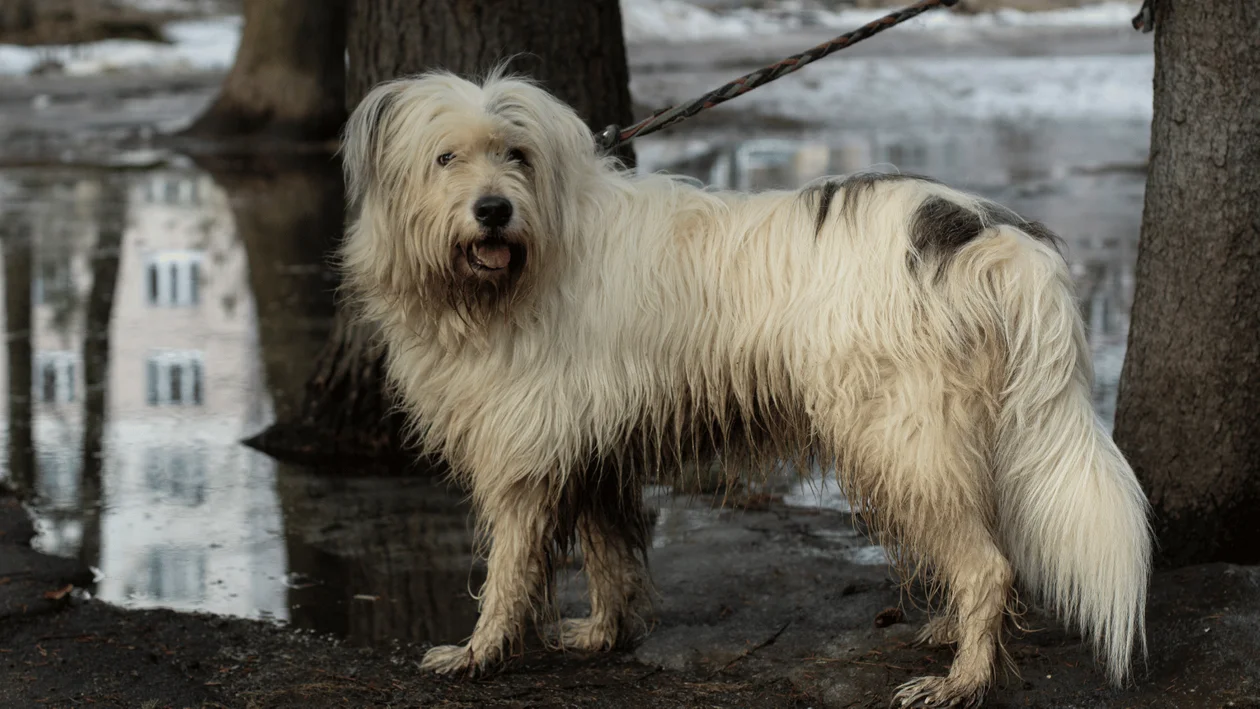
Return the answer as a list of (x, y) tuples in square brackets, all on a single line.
[(937, 692), (587, 634), (936, 632), (448, 659), (452, 659)]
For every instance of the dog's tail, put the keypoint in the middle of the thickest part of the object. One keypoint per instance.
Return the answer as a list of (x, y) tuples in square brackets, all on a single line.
[(1072, 516)]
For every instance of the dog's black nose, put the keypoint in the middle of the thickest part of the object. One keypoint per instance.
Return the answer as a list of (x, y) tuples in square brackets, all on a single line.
[(493, 212)]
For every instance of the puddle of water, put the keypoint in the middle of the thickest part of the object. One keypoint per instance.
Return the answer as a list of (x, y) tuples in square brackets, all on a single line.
[(155, 317)]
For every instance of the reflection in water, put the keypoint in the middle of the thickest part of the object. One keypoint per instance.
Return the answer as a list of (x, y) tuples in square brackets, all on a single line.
[(378, 560), (155, 318), (15, 235), (142, 373)]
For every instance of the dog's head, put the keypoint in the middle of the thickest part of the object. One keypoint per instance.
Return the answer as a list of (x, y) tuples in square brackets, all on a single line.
[(463, 191)]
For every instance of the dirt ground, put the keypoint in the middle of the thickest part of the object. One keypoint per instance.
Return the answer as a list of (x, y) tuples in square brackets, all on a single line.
[(749, 617)]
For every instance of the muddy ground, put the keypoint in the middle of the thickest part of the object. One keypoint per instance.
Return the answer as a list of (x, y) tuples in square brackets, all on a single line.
[(760, 610)]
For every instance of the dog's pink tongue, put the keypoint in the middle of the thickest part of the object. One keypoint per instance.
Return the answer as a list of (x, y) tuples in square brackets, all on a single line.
[(493, 256)]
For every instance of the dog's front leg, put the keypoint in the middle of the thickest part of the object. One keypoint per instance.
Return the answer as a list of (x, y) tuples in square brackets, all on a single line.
[(614, 533), (520, 520)]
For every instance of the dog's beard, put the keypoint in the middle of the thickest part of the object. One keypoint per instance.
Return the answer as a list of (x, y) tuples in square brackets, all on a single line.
[(486, 276)]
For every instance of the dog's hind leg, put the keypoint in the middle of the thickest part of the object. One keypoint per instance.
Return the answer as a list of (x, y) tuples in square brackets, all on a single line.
[(925, 452), (613, 531), (522, 527), (978, 580)]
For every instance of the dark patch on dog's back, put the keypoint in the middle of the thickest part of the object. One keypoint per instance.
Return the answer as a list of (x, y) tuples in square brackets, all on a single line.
[(863, 183), (826, 192), (940, 228), (999, 215), (854, 187)]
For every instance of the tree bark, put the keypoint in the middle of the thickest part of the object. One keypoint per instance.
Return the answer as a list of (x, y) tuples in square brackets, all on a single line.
[(575, 48), (289, 75), (1188, 414)]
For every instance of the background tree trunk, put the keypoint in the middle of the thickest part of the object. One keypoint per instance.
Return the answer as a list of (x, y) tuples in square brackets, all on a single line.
[(576, 50), (289, 75), (1188, 414), (574, 47)]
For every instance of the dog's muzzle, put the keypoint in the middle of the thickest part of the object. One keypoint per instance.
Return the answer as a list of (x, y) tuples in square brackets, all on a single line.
[(495, 256)]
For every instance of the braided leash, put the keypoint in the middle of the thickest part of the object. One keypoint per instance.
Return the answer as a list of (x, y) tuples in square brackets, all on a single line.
[(613, 135)]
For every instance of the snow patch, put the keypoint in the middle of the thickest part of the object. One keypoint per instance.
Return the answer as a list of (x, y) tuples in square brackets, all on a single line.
[(195, 45), (862, 90), (211, 43), (677, 21)]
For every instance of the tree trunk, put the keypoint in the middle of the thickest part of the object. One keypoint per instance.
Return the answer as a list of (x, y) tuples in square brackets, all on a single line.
[(111, 222), (15, 240), (289, 75), (574, 47), (347, 407), (1188, 414)]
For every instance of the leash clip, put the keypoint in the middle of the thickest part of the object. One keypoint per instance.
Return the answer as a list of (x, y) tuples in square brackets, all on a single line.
[(1144, 21)]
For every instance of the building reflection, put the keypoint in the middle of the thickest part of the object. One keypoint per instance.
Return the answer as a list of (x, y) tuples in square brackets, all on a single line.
[(152, 488)]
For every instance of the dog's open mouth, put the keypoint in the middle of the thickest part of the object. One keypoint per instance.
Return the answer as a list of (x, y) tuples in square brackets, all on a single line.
[(492, 257)]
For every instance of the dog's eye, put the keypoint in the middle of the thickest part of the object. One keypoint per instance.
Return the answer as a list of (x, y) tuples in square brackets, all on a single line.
[(517, 155), (445, 158)]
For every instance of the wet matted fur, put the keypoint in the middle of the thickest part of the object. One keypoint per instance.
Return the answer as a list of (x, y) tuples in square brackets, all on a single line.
[(922, 342)]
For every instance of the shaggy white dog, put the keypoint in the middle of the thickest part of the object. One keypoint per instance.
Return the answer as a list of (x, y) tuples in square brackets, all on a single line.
[(560, 331)]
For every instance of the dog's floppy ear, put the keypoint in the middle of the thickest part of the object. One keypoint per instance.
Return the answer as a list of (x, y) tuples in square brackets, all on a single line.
[(361, 142)]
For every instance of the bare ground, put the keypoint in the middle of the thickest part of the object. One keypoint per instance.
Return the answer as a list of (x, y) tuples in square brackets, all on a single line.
[(758, 611)]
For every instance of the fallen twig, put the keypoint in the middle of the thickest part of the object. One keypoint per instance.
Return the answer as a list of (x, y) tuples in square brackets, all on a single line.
[(764, 643)]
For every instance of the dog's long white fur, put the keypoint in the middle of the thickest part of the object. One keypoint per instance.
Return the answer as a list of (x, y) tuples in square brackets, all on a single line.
[(948, 382)]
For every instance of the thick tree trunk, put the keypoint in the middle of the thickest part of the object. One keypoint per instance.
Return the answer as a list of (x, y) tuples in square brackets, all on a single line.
[(575, 48), (111, 222), (1188, 414), (15, 239), (289, 75)]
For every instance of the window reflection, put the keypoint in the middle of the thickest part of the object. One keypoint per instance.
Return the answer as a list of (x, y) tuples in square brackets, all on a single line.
[(176, 474), (174, 378), (55, 377), (173, 278)]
